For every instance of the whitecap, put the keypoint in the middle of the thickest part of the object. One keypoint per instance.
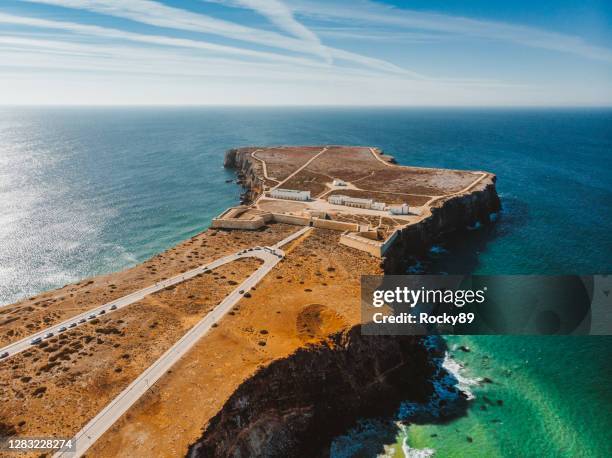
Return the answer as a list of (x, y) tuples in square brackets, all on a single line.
[(410, 452), (463, 382)]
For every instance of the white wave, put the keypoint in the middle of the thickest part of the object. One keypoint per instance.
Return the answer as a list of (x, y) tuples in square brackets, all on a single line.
[(410, 452), (456, 370)]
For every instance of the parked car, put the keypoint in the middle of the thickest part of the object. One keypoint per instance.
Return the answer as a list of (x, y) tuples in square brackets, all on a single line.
[(241, 291), (4, 355), (72, 325), (62, 329), (102, 312), (113, 307), (36, 340), (92, 316), (82, 320), (48, 335)]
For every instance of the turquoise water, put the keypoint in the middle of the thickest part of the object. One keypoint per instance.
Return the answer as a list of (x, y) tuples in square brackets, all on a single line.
[(87, 191), (556, 400)]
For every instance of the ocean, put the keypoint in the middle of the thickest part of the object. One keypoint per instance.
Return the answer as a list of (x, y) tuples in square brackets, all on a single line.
[(84, 191)]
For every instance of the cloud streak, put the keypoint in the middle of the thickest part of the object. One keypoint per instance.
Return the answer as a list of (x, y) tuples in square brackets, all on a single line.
[(110, 33), (281, 15), (370, 13), (160, 15), (283, 50)]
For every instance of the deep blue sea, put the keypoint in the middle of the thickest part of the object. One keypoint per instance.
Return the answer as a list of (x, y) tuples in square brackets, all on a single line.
[(90, 190)]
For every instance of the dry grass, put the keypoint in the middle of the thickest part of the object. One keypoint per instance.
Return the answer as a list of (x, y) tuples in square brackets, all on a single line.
[(283, 161), (359, 166), (313, 292), (57, 386), (28, 316), (309, 181)]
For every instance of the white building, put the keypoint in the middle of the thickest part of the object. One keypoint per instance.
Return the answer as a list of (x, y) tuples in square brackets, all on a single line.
[(339, 199), (399, 210), (290, 194), (338, 182), (336, 199)]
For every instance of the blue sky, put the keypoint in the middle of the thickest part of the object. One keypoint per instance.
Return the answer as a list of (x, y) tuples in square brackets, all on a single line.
[(306, 52)]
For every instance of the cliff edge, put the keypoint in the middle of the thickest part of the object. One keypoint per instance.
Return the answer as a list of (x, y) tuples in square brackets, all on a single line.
[(296, 405)]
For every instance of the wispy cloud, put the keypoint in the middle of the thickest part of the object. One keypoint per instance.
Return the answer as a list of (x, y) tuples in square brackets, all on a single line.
[(369, 13), (210, 59), (293, 51), (160, 15), (365, 34), (110, 33), (281, 15), (60, 53)]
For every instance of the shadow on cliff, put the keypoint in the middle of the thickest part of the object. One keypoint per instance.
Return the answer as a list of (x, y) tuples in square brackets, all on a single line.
[(446, 403), (459, 253), (295, 406)]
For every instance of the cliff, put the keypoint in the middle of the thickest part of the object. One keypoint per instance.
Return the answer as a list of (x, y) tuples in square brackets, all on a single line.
[(446, 216), (296, 405), (449, 214), (248, 176)]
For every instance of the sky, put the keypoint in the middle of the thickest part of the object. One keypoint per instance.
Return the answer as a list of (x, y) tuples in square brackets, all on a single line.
[(306, 52)]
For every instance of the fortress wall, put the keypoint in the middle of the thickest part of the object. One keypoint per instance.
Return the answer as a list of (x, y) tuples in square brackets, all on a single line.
[(372, 235), (363, 244), (335, 225), (290, 219), (389, 242), (245, 224)]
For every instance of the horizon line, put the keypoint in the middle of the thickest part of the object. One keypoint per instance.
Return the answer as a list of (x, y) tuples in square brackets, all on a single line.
[(163, 105)]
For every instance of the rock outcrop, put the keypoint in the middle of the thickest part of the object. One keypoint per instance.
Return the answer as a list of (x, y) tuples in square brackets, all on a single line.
[(296, 405), (248, 176), (447, 215)]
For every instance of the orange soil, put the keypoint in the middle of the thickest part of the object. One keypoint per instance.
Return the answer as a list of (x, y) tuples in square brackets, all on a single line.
[(57, 386), (312, 293), (28, 316)]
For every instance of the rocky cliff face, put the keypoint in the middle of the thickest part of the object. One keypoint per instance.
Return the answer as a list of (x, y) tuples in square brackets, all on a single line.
[(248, 176), (448, 215), (295, 406)]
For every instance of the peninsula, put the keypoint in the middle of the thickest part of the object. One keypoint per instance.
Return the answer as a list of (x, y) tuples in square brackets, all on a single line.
[(243, 340)]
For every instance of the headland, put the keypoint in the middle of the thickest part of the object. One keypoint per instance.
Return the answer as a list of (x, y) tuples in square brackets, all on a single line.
[(270, 375)]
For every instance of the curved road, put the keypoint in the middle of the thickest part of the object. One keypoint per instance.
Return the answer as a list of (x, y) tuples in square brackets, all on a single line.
[(118, 406), (77, 320), (121, 302)]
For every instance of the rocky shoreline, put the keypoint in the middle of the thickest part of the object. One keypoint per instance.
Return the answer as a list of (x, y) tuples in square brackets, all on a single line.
[(296, 405), (447, 216)]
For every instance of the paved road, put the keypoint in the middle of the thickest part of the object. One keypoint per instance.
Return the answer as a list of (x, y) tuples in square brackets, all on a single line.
[(264, 166), (136, 296), (118, 406)]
